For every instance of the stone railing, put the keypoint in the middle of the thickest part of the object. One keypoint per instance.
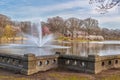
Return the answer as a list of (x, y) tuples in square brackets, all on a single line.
[(106, 62), (91, 64), (11, 62), (28, 63), (47, 62)]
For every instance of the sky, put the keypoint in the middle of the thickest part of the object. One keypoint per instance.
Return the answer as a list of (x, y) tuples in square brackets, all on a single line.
[(40, 10)]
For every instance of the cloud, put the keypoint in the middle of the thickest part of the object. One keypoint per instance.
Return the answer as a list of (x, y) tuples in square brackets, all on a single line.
[(38, 10), (32, 19), (28, 12), (109, 19), (57, 7), (69, 8)]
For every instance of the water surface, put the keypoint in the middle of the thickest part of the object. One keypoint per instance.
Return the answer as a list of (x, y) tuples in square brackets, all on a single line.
[(101, 48)]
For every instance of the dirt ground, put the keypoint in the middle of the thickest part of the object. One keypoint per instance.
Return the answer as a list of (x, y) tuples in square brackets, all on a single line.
[(113, 74)]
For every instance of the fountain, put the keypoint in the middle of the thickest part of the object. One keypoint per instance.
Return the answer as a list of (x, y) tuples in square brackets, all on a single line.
[(38, 39), (36, 43)]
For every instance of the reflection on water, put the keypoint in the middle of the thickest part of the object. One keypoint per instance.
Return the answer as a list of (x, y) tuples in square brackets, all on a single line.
[(21, 49), (93, 48), (78, 49), (25, 50)]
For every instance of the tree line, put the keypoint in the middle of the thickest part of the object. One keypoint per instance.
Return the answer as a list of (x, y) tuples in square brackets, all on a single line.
[(10, 29), (70, 27), (74, 25)]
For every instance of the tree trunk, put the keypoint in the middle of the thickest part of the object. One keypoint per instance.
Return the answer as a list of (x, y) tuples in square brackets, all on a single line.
[(0, 40), (7, 39), (22, 40), (13, 39)]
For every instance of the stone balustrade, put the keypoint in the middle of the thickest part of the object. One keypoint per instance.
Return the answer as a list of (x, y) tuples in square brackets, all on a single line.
[(11, 62), (91, 64), (29, 63)]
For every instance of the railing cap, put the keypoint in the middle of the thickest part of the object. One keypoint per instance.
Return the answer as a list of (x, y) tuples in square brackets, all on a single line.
[(29, 55)]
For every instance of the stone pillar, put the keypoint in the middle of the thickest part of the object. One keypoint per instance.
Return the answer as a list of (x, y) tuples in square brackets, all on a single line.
[(29, 64), (94, 64)]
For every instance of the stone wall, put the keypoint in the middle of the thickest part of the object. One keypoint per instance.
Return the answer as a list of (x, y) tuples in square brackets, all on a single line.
[(106, 62), (81, 64), (28, 64), (91, 64), (11, 62)]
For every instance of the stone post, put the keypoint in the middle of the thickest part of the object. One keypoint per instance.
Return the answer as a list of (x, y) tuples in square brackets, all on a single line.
[(94, 64), (29, 64)]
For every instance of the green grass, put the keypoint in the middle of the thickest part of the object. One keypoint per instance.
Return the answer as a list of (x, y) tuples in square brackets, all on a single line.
[(12, 78), (67, 77), (111, 77)]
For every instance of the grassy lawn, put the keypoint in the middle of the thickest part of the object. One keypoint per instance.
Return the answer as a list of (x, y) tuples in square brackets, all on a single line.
[(67, 77), (62, 38), (61, 75), (111, 77)]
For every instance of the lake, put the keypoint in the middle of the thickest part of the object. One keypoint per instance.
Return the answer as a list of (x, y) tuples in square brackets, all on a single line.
[(101, 48)]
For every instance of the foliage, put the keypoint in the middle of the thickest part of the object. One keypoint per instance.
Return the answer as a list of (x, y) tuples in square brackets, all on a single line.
[(70, 28), (9, 31), (1, 32), (45, 30), (62, 38)]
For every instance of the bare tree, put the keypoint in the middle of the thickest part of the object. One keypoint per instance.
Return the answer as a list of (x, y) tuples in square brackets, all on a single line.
[(56, 24), (4, 20), (26, 27), (73, 25), (91, 25), (103, 6)]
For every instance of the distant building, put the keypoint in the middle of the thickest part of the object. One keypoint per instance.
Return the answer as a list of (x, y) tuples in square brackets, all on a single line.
[(84, 35), (95, 37)]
